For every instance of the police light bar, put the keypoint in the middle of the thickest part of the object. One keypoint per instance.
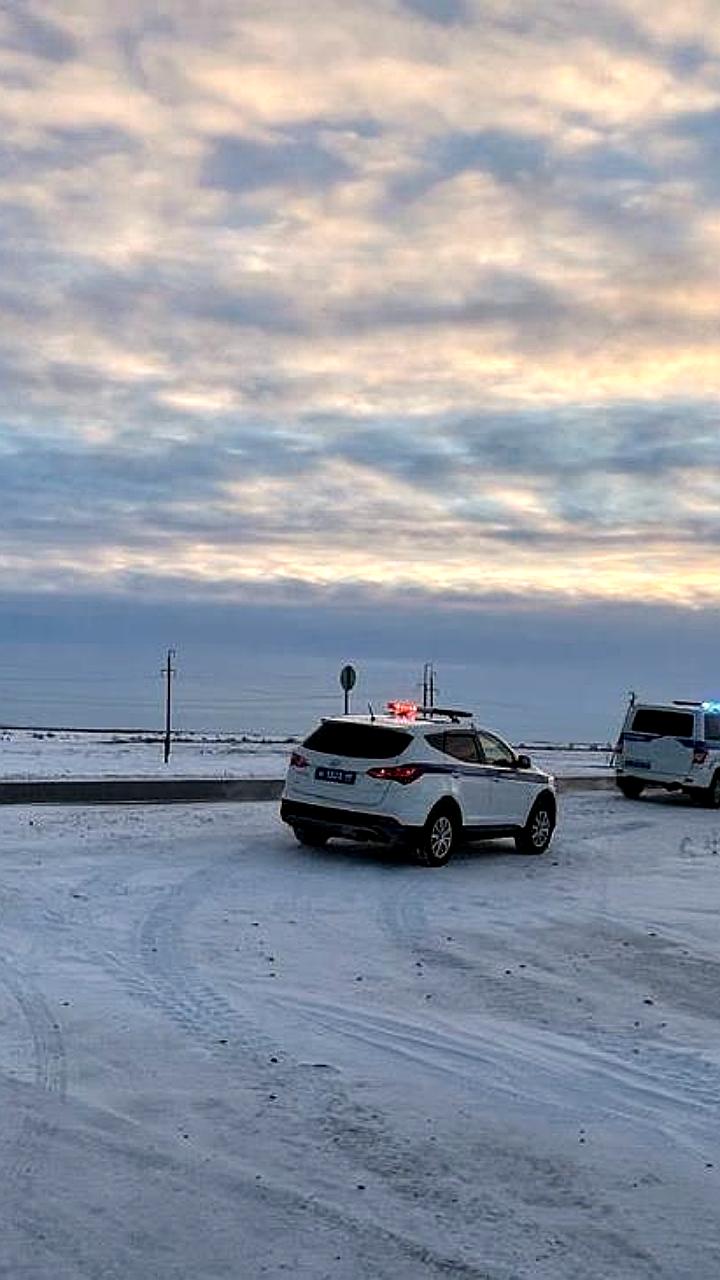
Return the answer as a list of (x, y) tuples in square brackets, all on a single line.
[(450, 713), (403, 710)]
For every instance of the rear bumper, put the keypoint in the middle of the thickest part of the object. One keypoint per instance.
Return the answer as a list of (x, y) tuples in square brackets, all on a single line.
[(662, 782), (350, 823)]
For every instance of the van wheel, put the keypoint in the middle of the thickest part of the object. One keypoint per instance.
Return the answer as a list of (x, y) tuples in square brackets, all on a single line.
[(438, 839), (312, 837), (631, 788), (713, 793), (538, 830)]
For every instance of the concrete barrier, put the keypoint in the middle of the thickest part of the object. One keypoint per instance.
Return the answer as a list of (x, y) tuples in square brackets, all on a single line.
[(141, 791), (589, 782), (191, 790)]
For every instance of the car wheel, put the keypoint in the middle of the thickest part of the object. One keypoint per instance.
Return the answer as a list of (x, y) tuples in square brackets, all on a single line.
[(631, 788), (438, 839), (538, 830), (713, 793), (312, 837)]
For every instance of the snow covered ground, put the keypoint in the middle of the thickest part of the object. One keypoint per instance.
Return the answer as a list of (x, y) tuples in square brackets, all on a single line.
[(26, 754), (223, 1056)]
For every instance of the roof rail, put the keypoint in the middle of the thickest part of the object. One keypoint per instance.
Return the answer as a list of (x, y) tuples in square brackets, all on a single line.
[(686, 702), (451, 712)]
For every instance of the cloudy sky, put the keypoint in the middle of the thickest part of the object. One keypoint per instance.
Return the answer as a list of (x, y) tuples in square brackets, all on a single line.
[(403, 305)]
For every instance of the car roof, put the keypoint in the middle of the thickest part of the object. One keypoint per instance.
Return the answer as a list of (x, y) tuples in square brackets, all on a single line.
[(670, 706), (418, 724)]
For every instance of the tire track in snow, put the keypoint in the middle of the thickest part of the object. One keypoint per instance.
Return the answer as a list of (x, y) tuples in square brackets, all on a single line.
[(403, 916), (49, 1071), (317, 1102), (168, 979), (152, 968), (549, 1069)]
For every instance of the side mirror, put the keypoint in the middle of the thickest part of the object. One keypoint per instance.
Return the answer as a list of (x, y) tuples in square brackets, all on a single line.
[(523, 762)]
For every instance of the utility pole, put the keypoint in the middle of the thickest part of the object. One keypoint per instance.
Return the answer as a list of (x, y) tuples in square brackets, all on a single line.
[(169, 672), (429, 685)]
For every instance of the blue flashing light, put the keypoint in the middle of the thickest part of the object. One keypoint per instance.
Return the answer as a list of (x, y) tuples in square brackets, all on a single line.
[(711, 706)]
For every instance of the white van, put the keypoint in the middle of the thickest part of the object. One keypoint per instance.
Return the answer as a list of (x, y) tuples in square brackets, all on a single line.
[(675, 745)]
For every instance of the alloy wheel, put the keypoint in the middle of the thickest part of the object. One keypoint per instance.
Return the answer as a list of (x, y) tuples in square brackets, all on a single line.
[(541, 829), (441, 837)]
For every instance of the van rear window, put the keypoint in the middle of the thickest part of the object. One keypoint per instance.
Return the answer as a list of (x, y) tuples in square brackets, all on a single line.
[(664, 724), (360, 741)]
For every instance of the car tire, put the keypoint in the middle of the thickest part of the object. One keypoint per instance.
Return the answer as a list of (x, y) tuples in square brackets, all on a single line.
[(631, 788), (311, 837), (438, 838), (712, 794), (538, 830)]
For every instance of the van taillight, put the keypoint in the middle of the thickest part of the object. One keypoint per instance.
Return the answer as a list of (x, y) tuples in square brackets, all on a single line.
[(700, 755), (297, 761), (402, 773)]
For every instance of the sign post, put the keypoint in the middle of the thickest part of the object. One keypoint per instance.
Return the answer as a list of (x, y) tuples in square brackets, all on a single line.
[(348, 676)]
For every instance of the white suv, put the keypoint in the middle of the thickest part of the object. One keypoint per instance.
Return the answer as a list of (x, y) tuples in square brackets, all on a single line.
[(424, 780), (675, 745)]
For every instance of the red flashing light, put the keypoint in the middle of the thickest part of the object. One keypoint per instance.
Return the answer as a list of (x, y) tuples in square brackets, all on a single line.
[(403, 710), (402, 773)]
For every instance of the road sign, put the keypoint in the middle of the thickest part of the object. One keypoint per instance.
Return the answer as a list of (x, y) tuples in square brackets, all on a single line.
[(348, 676)]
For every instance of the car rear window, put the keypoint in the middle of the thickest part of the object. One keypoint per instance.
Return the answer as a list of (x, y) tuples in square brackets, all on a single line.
[(712, 728), (360, 741), (664, 724)]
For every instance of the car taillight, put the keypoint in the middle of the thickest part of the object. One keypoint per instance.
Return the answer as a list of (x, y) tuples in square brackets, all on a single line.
[(402, 773), (297, 761), (700, 755)]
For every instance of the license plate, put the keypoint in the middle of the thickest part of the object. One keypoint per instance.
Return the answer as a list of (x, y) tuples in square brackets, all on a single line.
[(638, 764), (346, 776)]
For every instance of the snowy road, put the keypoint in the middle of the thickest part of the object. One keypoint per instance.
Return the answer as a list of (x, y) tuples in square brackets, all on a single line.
[(224, 1056)]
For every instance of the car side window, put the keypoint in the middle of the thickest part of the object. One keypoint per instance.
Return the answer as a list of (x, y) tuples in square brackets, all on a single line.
[(462, 746), (712, 730), (495, 751)]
